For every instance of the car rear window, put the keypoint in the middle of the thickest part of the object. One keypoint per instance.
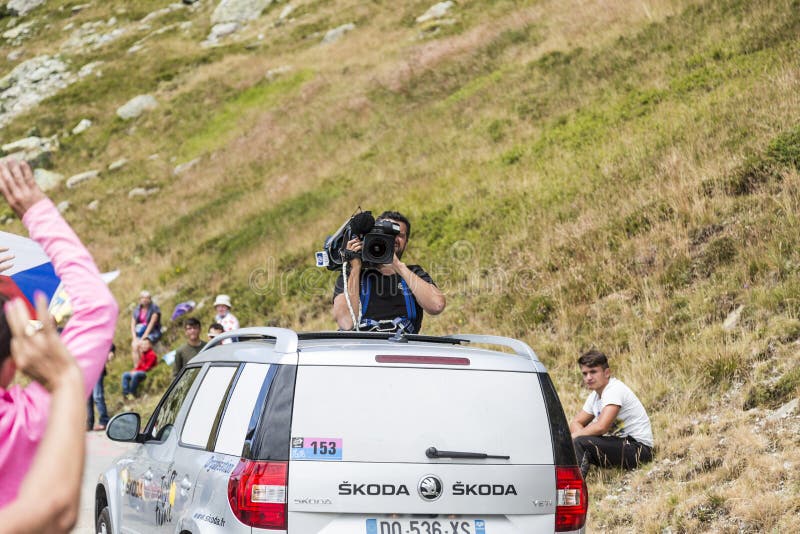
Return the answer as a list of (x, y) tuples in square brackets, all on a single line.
[(394, 414)]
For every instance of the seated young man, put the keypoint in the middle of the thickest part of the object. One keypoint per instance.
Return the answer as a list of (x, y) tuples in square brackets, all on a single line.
[(147, 360), (612, 429)]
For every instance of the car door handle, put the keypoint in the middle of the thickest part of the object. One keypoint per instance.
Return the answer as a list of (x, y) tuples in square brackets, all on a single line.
[(186, 484)]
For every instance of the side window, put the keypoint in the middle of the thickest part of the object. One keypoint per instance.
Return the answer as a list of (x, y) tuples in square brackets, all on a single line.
[(207, 406), (239, 413), (164, 419)]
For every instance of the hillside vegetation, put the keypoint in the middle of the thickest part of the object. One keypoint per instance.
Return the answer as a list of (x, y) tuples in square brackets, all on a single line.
[(614, 174)]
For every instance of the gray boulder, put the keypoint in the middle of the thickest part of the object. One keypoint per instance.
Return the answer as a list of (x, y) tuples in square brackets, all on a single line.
[(82, 126), (35, 150), (337, 33), (223, 29), (62, 206), (75, 180), (142, 192), (436, 11), (29, 83), (285, 12), (136, 106), (231, 15), (183, 167), (47, 180), (118, 164), (238, 10), (23, 7)]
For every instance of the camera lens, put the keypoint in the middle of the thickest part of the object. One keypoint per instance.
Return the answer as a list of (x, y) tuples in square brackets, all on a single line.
[(377, 249)]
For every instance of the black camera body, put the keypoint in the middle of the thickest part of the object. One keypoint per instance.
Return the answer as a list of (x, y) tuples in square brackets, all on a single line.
[(379, 243), (377, 237)]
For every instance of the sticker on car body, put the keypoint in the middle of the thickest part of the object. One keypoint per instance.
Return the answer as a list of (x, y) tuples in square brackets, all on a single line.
[(326, 449)]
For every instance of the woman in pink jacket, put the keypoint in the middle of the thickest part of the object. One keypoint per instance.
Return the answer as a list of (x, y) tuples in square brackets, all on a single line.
[(88, 334)]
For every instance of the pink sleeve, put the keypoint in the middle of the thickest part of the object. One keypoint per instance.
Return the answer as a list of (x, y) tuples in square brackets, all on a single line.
[(90, 331)]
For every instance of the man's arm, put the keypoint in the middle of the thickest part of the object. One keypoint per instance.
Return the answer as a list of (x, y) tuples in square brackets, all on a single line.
[(581, 419), (353, 287), (429, 297), (40, 505), (601, 426)]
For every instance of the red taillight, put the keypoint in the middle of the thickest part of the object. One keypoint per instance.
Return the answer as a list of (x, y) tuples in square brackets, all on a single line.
[(572, 499), (257, 493)]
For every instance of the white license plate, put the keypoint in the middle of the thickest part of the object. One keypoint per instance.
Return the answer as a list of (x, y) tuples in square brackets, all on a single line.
[(426, 526)]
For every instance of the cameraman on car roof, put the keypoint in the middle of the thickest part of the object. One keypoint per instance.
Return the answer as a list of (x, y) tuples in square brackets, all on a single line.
[(389, 296)]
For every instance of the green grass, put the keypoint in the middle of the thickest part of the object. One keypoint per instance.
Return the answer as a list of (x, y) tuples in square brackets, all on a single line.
[(232, 116), (625, 189)]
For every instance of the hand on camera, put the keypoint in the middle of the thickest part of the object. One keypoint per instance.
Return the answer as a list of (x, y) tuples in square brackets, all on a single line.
[(354, 246)]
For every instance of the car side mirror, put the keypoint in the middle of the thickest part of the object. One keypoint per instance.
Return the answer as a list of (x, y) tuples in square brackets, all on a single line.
[(124, 427)]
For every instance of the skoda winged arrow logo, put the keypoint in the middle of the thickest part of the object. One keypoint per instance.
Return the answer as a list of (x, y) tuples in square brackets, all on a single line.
[(430, 488)]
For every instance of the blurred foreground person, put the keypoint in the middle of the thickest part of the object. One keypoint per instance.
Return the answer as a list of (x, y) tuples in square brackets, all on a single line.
[(87, 335), (612, 429), (49, 496)]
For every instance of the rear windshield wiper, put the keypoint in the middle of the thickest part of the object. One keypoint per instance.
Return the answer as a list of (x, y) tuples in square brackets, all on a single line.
[(433, 452)]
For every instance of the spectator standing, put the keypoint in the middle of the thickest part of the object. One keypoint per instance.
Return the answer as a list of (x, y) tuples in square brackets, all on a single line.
[(612, 429), (147, 360), (87, 335), (145, 322), (224, 316), (98, 398), (192, 346)]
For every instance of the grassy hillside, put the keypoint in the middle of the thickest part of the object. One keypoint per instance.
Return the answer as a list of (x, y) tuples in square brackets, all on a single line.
[(617, 174)]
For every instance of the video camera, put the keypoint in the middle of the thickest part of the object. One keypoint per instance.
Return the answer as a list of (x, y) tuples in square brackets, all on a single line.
[(377, 237)]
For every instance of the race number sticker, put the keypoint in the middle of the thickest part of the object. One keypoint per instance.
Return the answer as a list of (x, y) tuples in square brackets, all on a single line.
[(328, 449)]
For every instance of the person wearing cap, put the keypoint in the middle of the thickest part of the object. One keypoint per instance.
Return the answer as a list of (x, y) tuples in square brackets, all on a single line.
[(224, 316), (145, 322)]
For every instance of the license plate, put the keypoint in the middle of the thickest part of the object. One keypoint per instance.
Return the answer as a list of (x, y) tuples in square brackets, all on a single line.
[(426, 526)]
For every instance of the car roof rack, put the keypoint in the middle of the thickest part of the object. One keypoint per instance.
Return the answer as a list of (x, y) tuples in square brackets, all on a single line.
[(352, 334), (285, 339), (520, 348)]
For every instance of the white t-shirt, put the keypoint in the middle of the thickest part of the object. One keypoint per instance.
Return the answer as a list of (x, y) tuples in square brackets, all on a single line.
[(632, 418)]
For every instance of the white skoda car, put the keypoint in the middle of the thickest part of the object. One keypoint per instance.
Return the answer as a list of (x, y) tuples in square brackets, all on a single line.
[(349, 433)]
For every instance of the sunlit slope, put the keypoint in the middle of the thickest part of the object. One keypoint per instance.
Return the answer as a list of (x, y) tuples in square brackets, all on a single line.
[(614, 174)]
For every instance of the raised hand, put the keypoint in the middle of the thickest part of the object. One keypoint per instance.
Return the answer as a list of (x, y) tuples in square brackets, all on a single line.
[(18, 186)]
